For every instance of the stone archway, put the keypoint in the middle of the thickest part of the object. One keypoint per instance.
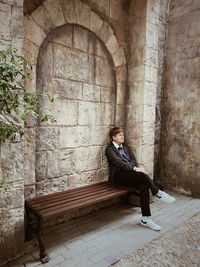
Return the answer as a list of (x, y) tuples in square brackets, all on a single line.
[(49, 16)]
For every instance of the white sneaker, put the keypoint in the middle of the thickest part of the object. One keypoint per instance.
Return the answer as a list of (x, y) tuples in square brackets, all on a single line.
[(150, 224), (165, 197)]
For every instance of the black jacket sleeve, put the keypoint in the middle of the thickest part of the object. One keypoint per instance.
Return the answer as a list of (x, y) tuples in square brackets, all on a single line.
[(117, 160)]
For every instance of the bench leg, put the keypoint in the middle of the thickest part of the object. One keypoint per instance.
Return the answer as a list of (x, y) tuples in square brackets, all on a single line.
[(43, 254)]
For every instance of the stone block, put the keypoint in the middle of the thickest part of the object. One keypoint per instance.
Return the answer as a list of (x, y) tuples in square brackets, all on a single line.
[(45, 59), (107, 111), (5, 15), (96, 23), (148, 133), (64, 111), (55, 12), (42, 18), (98, 135), (89, 113), (61, 163), (112, 44), (12, 161), (46, 138), (81, 65), (73, 181), (33, 32), (30, 83), (91, 92), (136, 93), (12, 233), (29, 168), (83, 14), (62, 35), (120, 118), (118, 10), (30, 51), (151, 57), (17, 22), (69, 11), (150, 94), (151, 74), (29, 191), (40, 166), (121, 73), (121, 93), (103, 72), (107, 94), (152, 35), (88, 158), (29, 140), (13, 197), (95, 46), (68, 137), (119, 57), (67, 89), (138, 57), (105, 32), (80, 39), (136, 73)]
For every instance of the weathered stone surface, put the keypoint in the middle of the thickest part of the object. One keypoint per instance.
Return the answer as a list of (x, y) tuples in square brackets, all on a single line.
[(106, 94), (83, 14), (81, 64), (69, 11), (96, 23), (118, 10), (105, 32), (33, 32), (5, 14), (16, 22), (91, 92), (12, 231), (40, 166), (12, 166), (67, 89), (80, 39), (46, 138), (55, 12), (45, 60), (112, 44), (89, 113), (95, 46), (103, 73), (30, 51), (62, 35), (42, 18), (29, 167), (65, 111)]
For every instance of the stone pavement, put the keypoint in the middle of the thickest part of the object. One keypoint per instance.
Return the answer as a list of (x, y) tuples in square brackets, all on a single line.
[(103, 238)]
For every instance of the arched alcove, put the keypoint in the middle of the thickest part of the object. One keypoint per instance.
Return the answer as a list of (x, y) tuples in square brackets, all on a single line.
[(38, 27), (74, 64)]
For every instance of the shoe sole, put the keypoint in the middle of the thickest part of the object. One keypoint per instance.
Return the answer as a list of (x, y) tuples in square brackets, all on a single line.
[(147, 226)]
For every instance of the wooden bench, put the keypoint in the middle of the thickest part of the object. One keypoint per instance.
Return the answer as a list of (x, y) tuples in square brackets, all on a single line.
[(40, 209)]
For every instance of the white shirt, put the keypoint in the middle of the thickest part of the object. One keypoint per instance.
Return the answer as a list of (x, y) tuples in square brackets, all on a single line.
[(116, 145)]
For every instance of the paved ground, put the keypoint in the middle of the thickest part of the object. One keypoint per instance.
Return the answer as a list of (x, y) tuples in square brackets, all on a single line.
[(103, 238)]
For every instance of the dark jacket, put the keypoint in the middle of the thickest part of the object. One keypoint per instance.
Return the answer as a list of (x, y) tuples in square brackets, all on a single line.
[(116, 162)]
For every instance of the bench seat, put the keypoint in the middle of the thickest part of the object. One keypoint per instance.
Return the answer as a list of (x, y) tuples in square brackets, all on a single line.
[(45, 207)]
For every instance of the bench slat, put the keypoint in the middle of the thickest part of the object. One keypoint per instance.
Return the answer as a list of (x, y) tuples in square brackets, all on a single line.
[(72, 197), (69, 200), (69, 191), (59, 211)]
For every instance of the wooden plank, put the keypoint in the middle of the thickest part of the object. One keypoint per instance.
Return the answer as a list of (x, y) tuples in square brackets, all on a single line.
[(70, 191), (74, 199), (69, 198), (49, 214)]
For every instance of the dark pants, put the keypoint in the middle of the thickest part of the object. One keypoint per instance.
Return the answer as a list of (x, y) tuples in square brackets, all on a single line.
[(140, 181)]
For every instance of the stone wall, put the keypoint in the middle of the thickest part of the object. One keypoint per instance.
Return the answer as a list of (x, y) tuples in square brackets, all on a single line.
[(74, 64), (91, 82), (142, 80), (181, 125), (11, 154)]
